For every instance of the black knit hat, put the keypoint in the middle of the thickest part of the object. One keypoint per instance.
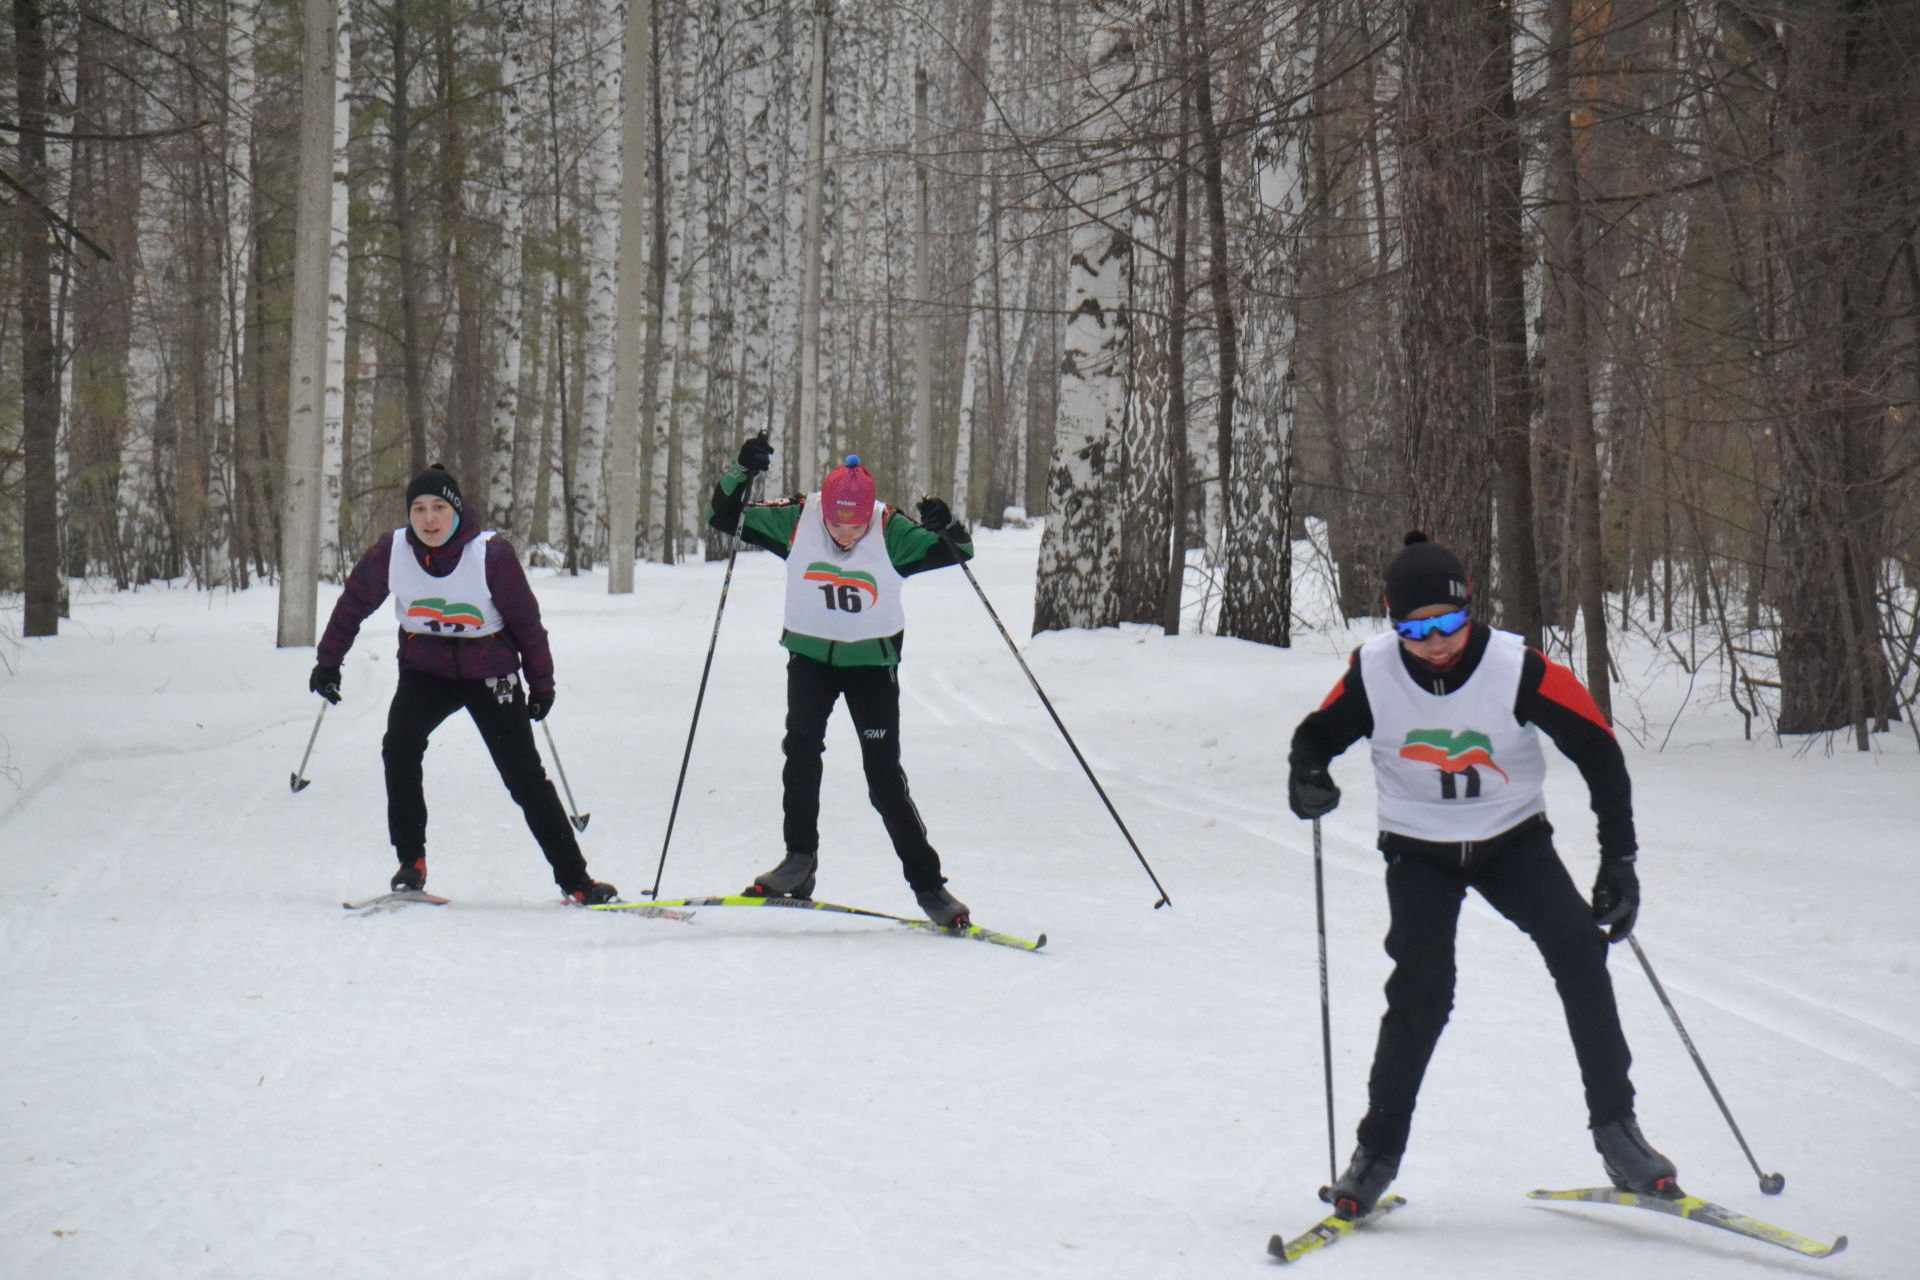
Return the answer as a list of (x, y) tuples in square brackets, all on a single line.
[(1424, 573), (435, 482)]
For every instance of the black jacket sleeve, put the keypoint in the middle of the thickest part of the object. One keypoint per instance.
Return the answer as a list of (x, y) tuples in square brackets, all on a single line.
[(1552, 698), (1342, 720)]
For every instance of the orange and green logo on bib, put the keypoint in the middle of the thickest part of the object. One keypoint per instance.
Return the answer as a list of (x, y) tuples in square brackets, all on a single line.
[(836, 579), (438, 613), (1451, 752)]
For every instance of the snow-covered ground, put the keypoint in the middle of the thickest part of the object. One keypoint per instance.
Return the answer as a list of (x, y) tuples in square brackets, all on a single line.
[(208, 1069)]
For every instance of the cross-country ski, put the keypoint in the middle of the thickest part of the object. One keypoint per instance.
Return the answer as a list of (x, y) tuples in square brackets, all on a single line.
[(1694, 1209)]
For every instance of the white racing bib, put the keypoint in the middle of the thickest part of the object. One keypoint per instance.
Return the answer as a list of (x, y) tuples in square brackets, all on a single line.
[(456, 605), (842, 595), (1454, 766)]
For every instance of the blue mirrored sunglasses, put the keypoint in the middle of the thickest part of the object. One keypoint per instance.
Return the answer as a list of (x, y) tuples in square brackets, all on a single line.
[(1420, 628)]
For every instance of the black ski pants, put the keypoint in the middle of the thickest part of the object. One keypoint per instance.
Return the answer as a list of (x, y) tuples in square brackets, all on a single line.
[(1526, 882), (873, 700), (499, 710)]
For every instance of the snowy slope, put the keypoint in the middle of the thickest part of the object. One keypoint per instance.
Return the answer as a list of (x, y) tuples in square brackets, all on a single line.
[(209, 1069)]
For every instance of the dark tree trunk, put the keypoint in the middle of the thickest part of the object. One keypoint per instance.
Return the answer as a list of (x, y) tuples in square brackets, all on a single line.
[(39, 385), (1446, 324), (1179, 301), (400, 137), (1519, 575), (1843, 235), (105, 181), (1569, 359)]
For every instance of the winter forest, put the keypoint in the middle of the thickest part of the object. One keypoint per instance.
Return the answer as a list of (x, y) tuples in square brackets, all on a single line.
[(1619, 298)]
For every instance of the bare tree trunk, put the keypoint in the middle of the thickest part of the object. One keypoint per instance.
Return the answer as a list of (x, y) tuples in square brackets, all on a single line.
[(1257, 600), (1075, 583), (509, 322), (39, 385), (1519, 570), (1844, 136), (1568, 347), (1226, 332), (1179, 306), (400, 139), (300, 539), (335, 559), (807, 444), (920, 470), (622, 489), (1445, 327)]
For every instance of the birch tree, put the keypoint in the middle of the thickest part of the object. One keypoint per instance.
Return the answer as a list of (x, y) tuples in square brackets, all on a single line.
[(602, 178), (622, 494), (335, 558), (1256, 602), (1075, 585), (509, 315), (299, 582)]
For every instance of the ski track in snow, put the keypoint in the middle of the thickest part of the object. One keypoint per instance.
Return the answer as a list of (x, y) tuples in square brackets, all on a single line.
[(211, 1070)]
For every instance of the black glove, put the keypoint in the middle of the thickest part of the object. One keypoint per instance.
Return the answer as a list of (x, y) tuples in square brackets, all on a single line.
[(325, 681), (1310, 791), (539, 702), (935, 515), (756, 455), (1616, 897)]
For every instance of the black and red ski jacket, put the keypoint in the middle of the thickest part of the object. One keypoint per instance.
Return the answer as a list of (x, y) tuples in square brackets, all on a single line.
[(1550, 697)]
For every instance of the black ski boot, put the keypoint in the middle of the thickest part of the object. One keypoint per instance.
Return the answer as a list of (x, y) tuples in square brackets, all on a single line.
[(594, 894), (1360, 1187), (411, 877), (942, 907), (1632, 1163), (793, 878)]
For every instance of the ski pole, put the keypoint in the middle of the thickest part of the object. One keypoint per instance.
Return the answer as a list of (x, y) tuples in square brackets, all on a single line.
[(726, 584), (1071, 745), (1770, 1183), (578, 819), (1326, 1005), (299, 783)]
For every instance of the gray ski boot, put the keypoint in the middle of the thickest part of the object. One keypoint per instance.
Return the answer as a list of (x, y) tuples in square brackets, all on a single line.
[(942, 907), (1632, 1163), (1360, 1187), (793, 878)]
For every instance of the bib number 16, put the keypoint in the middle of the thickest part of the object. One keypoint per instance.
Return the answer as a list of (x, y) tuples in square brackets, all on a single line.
[(843, 597)]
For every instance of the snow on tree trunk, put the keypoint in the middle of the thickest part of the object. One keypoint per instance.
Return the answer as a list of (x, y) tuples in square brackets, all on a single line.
[(1075, 586), (510, 317), (602, 181)]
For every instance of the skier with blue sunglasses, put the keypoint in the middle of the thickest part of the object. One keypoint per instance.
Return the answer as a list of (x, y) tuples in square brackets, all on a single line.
[(1451, 708)]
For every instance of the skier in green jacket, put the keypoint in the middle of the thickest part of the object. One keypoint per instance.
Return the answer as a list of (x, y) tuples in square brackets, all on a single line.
[(844, 628)]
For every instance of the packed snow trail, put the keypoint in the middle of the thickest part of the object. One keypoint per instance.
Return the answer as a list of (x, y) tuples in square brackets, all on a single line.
[(210, 1069)]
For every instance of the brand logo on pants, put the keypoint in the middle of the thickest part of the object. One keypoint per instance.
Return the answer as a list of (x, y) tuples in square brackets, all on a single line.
[(873, 733)]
